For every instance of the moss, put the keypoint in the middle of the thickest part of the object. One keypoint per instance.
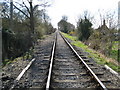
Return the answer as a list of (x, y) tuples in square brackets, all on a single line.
[(92, 53)]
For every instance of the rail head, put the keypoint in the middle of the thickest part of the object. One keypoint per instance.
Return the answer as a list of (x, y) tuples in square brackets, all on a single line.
[(51, 63), (88, 68)]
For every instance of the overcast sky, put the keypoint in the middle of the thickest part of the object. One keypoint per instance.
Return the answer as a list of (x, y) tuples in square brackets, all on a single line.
[(73, 9)]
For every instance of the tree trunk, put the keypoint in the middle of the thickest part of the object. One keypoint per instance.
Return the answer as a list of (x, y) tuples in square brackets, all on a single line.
[(32, 23), (11, 15), (31, 18)]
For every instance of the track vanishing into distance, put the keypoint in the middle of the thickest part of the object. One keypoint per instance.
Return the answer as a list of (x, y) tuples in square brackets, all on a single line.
[(59, 66), (70, 70)]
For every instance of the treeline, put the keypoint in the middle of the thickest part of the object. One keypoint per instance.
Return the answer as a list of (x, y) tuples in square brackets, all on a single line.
[(65, 26), (103, 39), (21, 27)]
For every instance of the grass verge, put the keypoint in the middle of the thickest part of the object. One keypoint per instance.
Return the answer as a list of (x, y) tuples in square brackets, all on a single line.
[(98, 57)]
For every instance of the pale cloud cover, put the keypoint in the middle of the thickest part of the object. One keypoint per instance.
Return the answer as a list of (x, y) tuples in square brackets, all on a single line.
[(73, 8)]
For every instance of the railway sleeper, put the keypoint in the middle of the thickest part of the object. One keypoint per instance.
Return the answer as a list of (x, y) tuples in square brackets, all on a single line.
[(43, 67), (86, 60), (83, 57), (93, 67), (99, 73), (65, 85), (60, 57), (89, 63), (69, 64), (71, 68), (105, 80), (68, 80), (71, 77), (64, 62), (47, 57), (69, 74), (40, 80)]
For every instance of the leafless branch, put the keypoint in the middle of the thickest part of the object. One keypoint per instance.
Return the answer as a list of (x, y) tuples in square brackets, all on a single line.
[(42, 5), (23, 5), (21, 11), (26, 7), (19, 4)]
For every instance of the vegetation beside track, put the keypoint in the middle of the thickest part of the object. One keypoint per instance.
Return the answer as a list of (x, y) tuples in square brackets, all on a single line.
[(27, 55), (98, 57)]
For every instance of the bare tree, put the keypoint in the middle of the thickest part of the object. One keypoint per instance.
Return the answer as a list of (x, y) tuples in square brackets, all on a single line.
[(108, 30), (111, 19), (30, 13)]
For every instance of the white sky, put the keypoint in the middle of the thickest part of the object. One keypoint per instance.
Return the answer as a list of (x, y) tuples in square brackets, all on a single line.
[(73, 9)]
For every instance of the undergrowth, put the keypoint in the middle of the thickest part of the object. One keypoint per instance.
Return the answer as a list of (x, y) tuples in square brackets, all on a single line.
[(98, 57)]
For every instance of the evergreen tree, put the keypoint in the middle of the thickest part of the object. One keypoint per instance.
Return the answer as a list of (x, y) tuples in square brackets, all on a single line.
[(84, 29)]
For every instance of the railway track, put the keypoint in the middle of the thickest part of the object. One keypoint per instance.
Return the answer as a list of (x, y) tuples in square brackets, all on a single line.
[(60, 66), (70, 69)]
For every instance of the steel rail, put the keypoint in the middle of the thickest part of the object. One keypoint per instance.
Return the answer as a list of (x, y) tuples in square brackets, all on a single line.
[(51, 63), (87, 67), (22, 73), (30, 63)]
